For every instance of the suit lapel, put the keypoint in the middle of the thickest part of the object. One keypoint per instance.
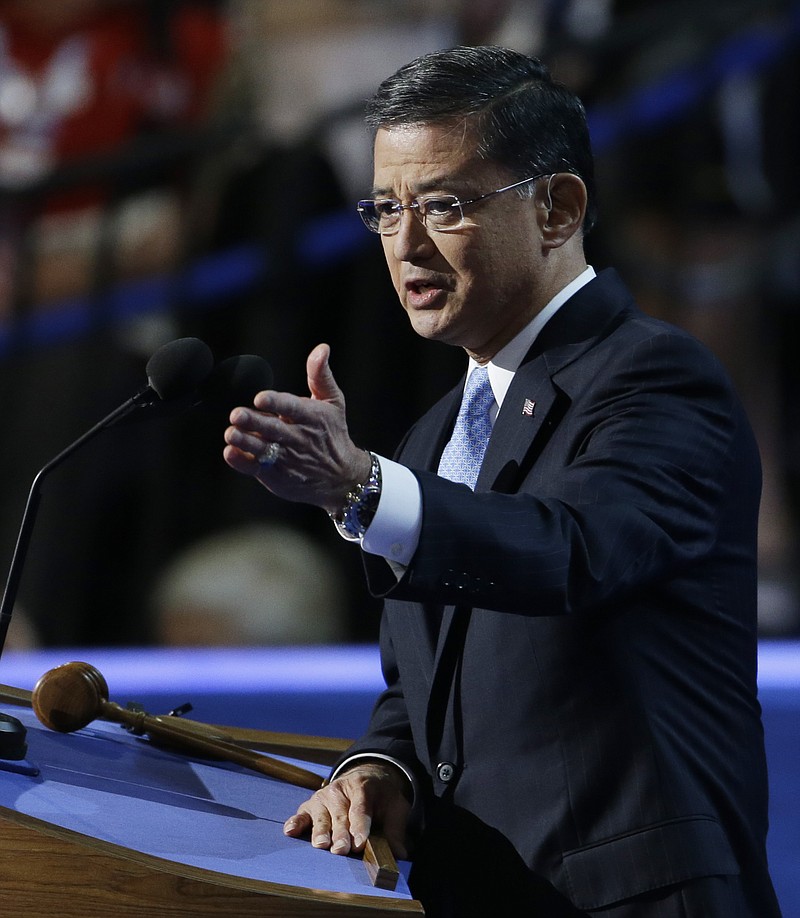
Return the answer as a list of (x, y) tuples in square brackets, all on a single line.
[(524, 419), (534, 404)]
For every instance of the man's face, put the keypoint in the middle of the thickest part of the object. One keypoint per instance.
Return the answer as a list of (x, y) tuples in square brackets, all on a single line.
[(474, 287)]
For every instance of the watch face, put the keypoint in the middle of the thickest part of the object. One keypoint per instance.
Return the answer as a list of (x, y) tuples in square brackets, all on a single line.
[(360, 505), (366, 506)]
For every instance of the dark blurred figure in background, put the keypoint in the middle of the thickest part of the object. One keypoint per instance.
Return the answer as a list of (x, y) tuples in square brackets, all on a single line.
[(252, 585)]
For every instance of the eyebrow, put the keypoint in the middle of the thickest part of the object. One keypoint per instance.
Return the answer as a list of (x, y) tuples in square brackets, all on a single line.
[(438, 184)]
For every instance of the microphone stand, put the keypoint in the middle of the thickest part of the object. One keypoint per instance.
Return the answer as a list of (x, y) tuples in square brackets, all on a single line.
[(34, 497), (173, 372)]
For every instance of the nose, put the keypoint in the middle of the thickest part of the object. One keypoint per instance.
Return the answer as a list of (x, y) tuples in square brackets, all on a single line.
[(412, 239)]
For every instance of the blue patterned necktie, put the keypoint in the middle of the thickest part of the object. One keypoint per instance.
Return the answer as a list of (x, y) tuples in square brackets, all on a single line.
[(462, 457)]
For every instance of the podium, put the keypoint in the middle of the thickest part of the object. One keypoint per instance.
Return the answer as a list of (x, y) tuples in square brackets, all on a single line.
[(103, 823)]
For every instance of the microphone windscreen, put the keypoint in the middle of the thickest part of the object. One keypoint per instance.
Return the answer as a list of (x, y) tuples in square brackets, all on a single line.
[(235, 381), (178, 367)]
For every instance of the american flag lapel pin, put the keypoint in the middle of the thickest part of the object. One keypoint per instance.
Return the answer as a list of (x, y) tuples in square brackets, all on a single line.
[(527, 407)]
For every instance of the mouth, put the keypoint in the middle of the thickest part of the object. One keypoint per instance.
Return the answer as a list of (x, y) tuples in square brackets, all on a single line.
[(422, 294)]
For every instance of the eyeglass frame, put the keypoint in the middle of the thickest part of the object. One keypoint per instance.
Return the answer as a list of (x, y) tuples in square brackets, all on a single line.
[(415, 206)]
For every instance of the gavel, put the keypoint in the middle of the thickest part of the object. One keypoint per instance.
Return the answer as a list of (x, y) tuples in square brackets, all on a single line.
[(72, 695)]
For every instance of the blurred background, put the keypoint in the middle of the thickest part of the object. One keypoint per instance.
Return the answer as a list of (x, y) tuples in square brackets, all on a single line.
[(189, 167)]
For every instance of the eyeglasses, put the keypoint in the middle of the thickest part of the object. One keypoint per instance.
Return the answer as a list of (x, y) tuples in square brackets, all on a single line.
[(441, 213)]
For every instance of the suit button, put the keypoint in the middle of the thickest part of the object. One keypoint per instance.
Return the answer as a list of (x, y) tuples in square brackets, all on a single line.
[(445, 772)]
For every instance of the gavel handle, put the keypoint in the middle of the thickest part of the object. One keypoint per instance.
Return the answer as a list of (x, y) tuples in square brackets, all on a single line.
[(380, 863), (191, 740), (167, 729), (324, 750), (11, 695)]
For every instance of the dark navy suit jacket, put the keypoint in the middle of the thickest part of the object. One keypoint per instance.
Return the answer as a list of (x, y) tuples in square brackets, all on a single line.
[(576, 641)]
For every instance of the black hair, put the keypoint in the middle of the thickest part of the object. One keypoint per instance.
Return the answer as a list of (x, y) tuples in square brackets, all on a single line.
[(525, 120)]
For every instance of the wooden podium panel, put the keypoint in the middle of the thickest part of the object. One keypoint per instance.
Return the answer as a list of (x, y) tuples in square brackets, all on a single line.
[(115, 826)]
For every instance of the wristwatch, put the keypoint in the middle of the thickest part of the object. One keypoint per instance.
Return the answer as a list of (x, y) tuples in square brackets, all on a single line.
[(360, 505)]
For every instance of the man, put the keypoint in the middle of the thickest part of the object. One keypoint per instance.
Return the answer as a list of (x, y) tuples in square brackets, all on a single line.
[(569, 648)]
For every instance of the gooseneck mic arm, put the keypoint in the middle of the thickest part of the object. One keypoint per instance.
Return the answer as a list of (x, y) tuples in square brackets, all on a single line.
[(175, 371)]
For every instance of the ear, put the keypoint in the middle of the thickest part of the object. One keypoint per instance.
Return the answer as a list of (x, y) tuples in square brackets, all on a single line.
[(562, 203)]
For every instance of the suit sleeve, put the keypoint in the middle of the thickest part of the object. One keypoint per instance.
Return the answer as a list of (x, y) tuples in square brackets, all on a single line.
[(389, 730)]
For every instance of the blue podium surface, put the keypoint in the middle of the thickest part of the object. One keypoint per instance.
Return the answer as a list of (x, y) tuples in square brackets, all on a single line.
[(207, 835), (224, 823), (330, 691)]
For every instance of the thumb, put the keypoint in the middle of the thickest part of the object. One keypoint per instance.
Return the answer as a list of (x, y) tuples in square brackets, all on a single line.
[(321, 383)]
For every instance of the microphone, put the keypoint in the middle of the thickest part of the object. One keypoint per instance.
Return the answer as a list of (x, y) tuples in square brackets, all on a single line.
[(174, 372), (234, 382), (174, 375)]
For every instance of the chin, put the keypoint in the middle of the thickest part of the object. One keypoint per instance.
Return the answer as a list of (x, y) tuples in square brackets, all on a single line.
[(430, 331)]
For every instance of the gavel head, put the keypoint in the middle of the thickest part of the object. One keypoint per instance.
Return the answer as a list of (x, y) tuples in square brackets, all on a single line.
[(69, 697)]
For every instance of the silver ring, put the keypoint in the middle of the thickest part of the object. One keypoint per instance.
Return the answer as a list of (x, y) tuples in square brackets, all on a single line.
[(269, 455)]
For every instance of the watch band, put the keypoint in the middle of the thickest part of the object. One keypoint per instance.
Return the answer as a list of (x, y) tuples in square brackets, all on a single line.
[(360, 505)]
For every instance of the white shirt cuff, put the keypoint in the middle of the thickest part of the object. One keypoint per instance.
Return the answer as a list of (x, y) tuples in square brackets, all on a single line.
[(394, 531)]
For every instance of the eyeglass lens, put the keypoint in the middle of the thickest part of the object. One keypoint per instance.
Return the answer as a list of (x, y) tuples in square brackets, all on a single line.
[(438, 213)]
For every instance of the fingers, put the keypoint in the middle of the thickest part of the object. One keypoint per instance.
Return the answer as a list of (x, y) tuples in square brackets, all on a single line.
[(326, 817), (248, 432), (360, 825), (340, 816), (297, 825), (240, 461), (243, 448), (343, 835), (248, 435)]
